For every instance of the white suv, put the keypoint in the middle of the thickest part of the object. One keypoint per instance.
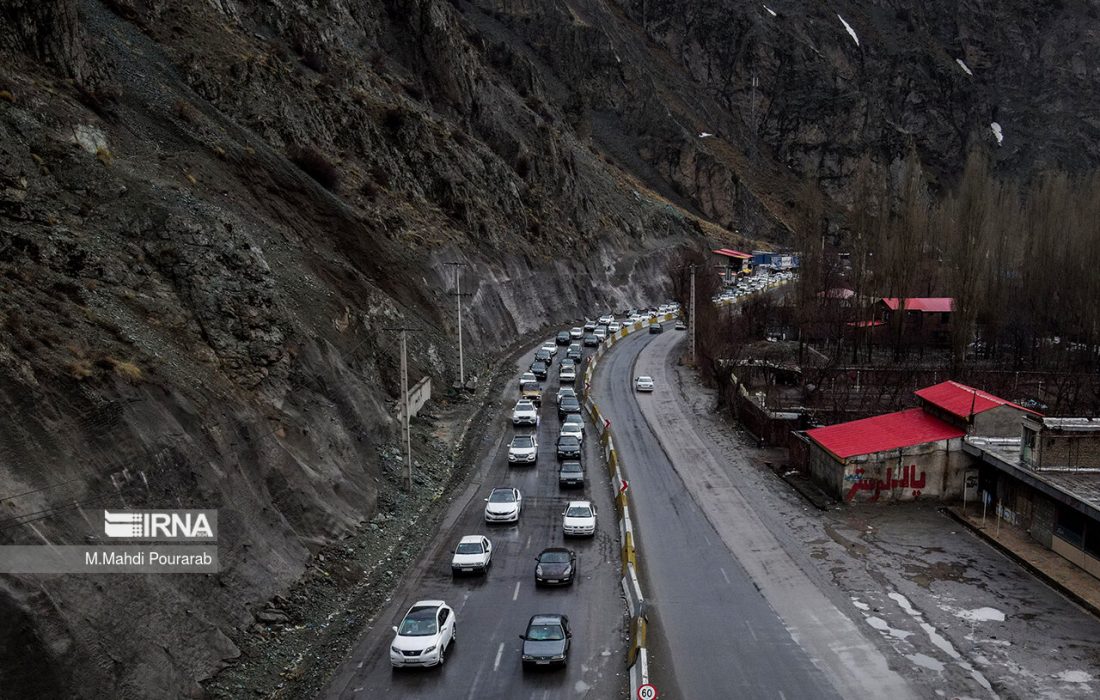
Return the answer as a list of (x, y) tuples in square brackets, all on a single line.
[(573, 426), (525, 413), (426, 631), (524, 449)]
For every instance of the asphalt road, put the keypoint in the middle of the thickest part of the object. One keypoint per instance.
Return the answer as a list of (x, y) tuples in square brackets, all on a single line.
[(492, 611), (714, 634)]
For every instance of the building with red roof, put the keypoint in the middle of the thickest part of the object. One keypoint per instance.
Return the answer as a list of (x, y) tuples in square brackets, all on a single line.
[(732, 263), (916, 453), (926, 318)]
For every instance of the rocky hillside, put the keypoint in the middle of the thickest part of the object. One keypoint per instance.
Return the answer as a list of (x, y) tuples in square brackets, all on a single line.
[(213, 211)]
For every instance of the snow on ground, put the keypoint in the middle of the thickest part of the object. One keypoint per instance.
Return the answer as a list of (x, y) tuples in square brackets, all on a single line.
[(771, 11), (849, 28), (997, 133), (982, 615), (962, 64), (705, 134)]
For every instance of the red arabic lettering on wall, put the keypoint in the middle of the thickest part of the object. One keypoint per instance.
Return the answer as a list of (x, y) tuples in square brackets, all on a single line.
[(906, 479)]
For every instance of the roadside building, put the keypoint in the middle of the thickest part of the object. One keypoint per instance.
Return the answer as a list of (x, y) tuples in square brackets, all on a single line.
[(732, 264), (898, 456), (978, 412), (1046, 483), (911, 454), (925, 318)]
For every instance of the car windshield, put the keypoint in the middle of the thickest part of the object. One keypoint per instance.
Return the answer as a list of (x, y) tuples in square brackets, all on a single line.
[(420, 622), (470, 548), (579, 512), (554, 558), (573, 418), (502, 497), (567, 440), (523, 441), (644, 379), (571, 467), (545, 633), (530, 386), (569, 401)]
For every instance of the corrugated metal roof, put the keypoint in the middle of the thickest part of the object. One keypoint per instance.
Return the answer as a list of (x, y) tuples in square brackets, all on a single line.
[(962, 400), (925, 304), (730, 253), (887, 432)]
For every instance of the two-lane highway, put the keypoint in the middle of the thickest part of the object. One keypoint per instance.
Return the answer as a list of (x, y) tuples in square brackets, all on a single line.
[(492, 611), (718, 636)]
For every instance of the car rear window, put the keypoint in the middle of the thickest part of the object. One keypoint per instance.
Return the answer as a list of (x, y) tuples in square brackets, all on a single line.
[(545, 633), (522, 441), (579, 512)]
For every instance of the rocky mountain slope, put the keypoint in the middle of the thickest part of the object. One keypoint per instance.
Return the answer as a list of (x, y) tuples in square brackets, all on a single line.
[(213, 211)]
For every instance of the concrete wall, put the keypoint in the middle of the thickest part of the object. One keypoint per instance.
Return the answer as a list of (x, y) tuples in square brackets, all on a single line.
[(419, 394), (1002, 421), (933, 470)]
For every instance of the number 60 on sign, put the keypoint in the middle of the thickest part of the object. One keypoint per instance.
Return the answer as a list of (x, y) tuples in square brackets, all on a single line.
[(647, 692)]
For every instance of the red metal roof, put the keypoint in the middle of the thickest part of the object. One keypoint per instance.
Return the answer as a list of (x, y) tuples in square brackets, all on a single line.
[(925, 304), (887, 432), (962, 401), (729, 253)]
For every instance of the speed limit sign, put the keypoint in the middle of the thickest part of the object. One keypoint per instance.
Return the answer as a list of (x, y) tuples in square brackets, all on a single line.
[(647, 692)]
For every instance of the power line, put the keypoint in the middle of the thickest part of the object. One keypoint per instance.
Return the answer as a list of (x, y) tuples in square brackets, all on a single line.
[(405, 400)]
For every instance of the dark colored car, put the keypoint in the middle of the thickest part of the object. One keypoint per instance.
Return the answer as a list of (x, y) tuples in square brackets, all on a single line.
[(562, 338), (567, 405), (590, 340), (569, 447), (656, 328), (570, 473), (546, 641), (538, 368), (574, 352), (556, 567), (543, 356)]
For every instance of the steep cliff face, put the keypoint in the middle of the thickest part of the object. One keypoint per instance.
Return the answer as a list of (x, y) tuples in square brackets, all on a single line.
[(212, 211)]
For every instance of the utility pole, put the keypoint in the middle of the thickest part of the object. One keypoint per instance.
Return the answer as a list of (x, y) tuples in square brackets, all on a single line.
[(692, 316), (407, 434), (458, 301)]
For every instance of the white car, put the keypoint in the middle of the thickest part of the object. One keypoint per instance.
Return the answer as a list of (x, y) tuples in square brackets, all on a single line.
[(425, 633), (474, 554), (566, 391), (604, 320), (503, 505), (573, 426), (579, 518), (576, 333), (527, 377), (525, 413), (643, 383), (614, 327), (524, 449), (550, 346), (600, 332), (567, 373)]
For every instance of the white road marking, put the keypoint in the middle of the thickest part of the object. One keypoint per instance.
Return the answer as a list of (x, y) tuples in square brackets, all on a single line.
[(724, 574), (496, 662), (782, 696), (528, 545), (706, 539), (515, 593), (751, 630)]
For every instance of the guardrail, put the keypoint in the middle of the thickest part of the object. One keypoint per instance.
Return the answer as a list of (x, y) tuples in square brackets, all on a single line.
[(637, 658)]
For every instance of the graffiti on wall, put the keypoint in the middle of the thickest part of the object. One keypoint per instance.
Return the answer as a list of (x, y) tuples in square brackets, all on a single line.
[(906, 478)]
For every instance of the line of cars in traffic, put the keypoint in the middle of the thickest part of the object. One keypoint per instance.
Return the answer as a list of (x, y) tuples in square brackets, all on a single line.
[(429, 628), (745, 286)]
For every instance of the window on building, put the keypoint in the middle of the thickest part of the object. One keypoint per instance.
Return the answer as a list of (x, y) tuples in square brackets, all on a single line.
[(1070, 527)]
